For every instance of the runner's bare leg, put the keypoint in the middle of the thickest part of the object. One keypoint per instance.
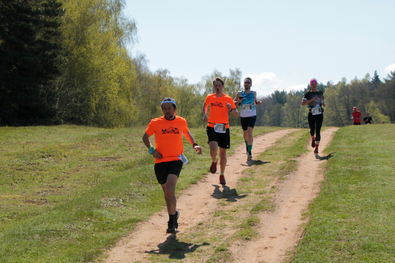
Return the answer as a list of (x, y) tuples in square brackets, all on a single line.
[(213, 149), (169, 190), (222, 155)]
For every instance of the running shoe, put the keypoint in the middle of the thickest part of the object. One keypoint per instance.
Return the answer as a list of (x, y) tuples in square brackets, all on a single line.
[(249, 155), (213, 167), (222, 179), (171, 227), (313, 142), (316, 150)]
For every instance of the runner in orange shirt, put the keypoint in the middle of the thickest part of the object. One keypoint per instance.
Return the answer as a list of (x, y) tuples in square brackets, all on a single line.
[(168, 153), (218, 125)]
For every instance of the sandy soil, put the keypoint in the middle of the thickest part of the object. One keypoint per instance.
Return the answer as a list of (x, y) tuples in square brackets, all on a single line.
[(280, 230)]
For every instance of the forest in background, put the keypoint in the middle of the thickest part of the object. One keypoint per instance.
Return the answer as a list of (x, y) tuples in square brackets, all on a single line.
[(64, 61)]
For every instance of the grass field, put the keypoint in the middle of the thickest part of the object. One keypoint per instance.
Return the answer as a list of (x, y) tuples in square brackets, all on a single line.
[(353, 219), (69, 192)]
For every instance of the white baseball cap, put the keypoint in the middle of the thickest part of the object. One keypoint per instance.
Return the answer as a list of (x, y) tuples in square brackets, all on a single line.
[(168, 100)]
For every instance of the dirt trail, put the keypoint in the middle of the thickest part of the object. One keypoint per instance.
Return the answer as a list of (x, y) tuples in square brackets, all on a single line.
[(280, 229)]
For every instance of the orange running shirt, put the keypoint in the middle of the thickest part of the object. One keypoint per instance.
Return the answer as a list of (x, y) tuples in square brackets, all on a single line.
[(168, 137), (218, 110)]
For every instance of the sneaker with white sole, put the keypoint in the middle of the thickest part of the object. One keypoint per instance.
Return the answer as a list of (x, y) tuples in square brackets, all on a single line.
[(172, 226)]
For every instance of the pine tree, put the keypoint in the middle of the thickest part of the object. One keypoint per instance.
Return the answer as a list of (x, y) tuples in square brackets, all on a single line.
[(375, 81), (28, 52)]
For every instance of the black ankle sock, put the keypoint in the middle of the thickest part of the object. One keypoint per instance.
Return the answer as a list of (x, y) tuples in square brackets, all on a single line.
[(172, 218)]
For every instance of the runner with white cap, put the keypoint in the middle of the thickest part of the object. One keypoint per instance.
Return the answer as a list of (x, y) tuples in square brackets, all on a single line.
[(168, 153)]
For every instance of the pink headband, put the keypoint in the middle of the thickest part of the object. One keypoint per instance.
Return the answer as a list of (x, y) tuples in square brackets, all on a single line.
[(313, 81)]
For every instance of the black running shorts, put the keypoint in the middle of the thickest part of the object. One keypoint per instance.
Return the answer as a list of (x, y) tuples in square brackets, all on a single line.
[(162, 170), (223, 139), (247, 122)]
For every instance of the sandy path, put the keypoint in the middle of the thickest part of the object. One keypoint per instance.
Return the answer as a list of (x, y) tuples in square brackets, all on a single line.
[(282, 229), (194, 205)]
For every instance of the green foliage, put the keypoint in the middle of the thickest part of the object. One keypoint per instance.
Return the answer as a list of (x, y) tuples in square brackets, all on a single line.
[(295, 115), (375, 113), (335, 114), (385, 95), (67, 61), (98, 81)]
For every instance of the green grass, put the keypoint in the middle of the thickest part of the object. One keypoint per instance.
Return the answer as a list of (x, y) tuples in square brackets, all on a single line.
[(353, 219), (69, 192)]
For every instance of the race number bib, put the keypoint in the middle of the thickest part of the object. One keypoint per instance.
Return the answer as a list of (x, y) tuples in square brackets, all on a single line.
[(247, 107), (220, 128), (316, 110)]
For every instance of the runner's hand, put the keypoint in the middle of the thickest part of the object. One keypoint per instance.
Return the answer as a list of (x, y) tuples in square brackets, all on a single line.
[(228, 106), (198, 149), (157, 155), (205, 119)]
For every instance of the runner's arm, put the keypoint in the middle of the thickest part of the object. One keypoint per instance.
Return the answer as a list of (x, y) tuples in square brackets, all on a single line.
[(234, 112), (191, 140), (146, 140), (305, 101), (257, 102), (236, 100), (205, 112), (147, 143)]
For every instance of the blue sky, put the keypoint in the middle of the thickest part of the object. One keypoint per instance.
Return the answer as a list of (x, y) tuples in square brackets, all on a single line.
[(280, 44)]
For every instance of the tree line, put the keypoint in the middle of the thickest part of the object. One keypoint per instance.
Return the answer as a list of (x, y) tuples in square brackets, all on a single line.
[(369, 94), (64, 61)]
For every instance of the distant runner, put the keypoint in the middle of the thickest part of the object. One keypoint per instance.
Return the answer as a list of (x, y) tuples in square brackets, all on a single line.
[(168, 153), (315, 100), (247, 100), (218, 125), (368, 119), (356, 116)]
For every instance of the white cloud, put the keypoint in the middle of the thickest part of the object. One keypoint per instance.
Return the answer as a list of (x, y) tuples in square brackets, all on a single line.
[(266, 83), (389, 69)]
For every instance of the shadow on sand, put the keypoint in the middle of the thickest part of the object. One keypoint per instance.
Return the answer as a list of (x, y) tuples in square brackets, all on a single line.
[(324, 157), (229, 194), (174, 248), (251, 162)]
